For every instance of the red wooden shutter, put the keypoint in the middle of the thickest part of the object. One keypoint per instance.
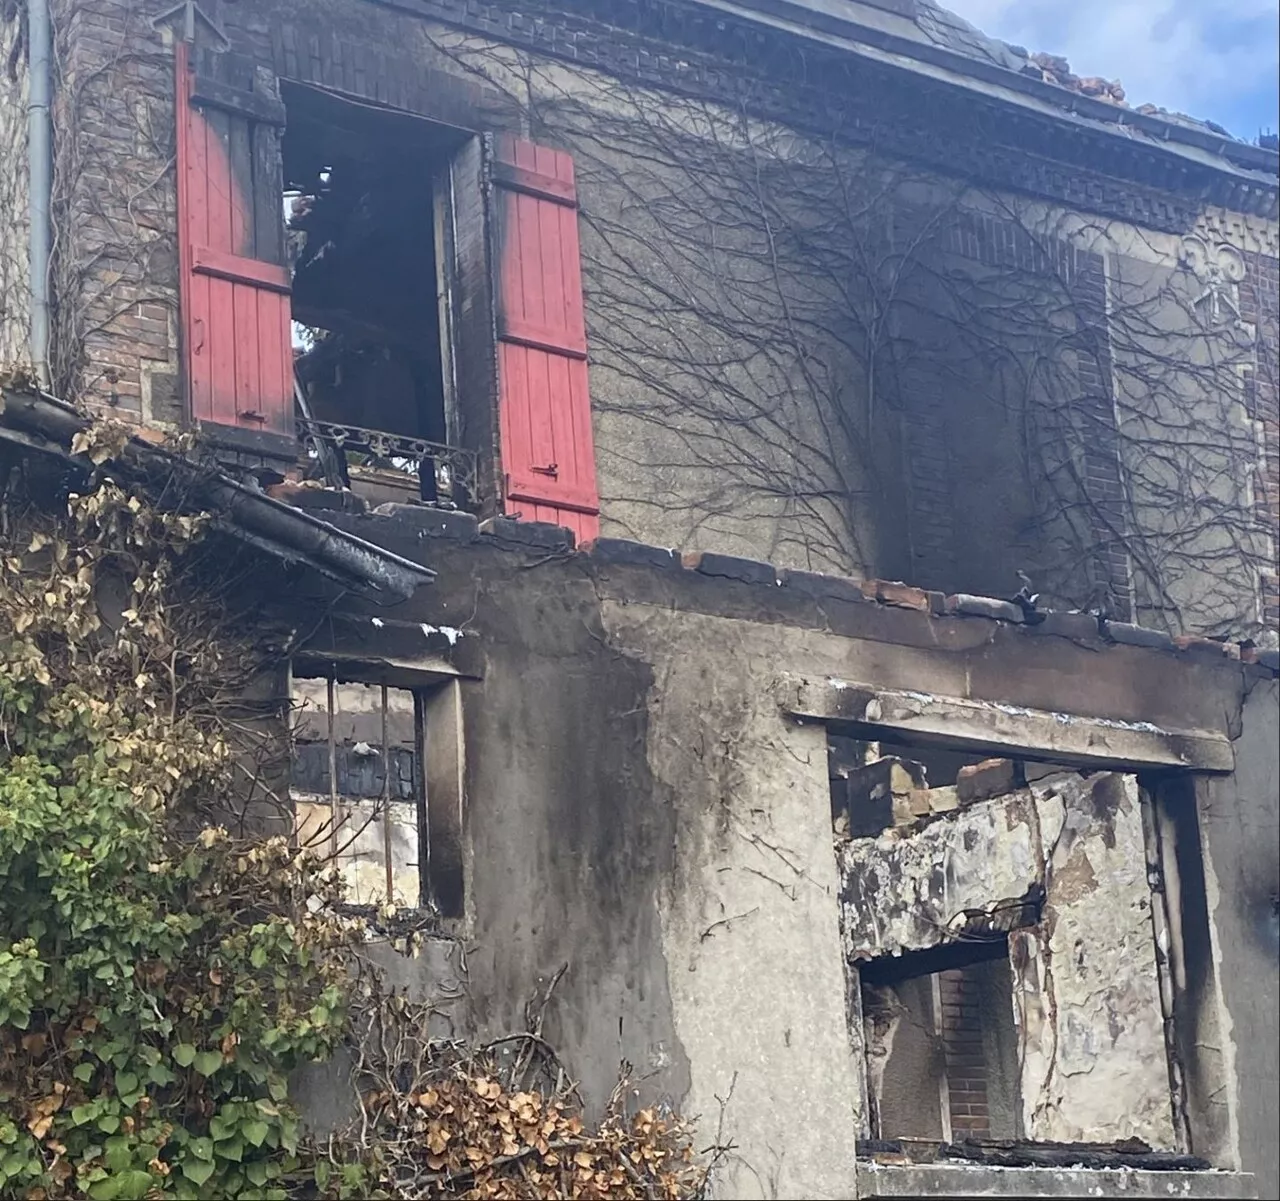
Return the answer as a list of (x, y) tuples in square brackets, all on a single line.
[(544, 411), (235, 288)]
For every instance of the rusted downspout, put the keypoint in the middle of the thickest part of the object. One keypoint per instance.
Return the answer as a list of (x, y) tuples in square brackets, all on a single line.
[(39, 178)]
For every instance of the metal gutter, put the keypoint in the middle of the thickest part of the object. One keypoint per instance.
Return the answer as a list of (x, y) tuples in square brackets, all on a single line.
[(241, 510)]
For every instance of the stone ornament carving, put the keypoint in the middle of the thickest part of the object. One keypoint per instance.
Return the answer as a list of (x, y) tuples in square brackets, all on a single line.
[(1218, 268)]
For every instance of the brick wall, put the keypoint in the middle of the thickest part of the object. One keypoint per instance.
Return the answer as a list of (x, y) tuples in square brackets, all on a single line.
[(1103, 482), (966, 1056), (115, 271), (930, 472), (1260, 305)]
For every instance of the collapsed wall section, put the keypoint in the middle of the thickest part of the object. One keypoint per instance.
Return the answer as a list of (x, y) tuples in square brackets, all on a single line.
[(1053, 877)]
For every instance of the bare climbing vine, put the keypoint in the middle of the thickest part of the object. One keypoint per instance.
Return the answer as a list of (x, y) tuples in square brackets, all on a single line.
[(802, 348), (813, 352)]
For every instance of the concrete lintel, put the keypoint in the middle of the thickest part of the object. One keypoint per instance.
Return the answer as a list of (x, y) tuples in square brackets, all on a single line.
[(370, 669), (1006, 729), (975, 1180)]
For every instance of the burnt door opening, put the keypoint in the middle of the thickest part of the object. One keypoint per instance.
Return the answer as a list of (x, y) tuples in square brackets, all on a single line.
[(366, 196)]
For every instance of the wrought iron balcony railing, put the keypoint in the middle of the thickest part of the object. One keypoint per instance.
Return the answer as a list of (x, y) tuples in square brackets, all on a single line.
[(446, 475)]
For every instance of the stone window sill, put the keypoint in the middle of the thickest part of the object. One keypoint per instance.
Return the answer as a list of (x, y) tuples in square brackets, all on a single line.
[(963, 1180)]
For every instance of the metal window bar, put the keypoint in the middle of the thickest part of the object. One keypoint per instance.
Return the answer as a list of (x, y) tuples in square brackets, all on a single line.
[(447, 475), (340, 839), (330, 691), (386, 803)]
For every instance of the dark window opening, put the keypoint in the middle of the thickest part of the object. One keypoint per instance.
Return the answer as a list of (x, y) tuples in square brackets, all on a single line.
[(942, 1048), (377, 784), (367, 206)]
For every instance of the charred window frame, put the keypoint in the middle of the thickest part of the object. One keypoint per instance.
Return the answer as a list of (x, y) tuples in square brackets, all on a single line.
[(908, 778), (377, 784), (371, 194)]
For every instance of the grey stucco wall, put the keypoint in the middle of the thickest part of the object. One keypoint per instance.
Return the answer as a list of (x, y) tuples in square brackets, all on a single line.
[(641, 812), (1240, 833), (569, 841), (1191, 446), (749, 924)]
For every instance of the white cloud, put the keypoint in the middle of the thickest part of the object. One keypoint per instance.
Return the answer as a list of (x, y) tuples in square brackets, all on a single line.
[(1203, 57)]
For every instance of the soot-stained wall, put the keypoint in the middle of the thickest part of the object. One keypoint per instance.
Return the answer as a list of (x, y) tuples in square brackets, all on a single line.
[(641, 811), (1240, 835)]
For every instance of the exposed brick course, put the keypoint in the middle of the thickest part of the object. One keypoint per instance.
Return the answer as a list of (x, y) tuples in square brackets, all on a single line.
[(966, 1063)]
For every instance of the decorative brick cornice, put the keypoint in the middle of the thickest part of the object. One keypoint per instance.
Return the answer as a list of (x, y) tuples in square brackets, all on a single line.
[(1252, 235), (714, 56)]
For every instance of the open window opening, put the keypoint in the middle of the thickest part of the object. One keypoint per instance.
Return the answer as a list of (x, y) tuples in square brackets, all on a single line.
[(376, 787), (1007, 949), (367, 208), (941, 1046)]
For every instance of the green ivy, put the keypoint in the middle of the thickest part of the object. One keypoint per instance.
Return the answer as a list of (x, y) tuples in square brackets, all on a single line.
[(156, 990)]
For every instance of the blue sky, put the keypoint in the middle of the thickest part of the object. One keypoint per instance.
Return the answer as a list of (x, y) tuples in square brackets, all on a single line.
[(1215, 59)]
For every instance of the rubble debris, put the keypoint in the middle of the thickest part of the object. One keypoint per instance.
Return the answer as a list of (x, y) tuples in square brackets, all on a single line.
[(891, 795), (1185, 119), (990, 778), (878, 796), (1131, 1153), (1054, 68)]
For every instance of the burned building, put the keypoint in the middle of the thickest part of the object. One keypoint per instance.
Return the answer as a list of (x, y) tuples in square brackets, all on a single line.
[(959, 886)]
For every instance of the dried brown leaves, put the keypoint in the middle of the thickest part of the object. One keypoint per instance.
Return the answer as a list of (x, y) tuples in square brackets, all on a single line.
[(466, 1129)]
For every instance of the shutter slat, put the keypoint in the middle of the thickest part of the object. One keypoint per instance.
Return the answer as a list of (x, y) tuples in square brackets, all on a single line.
[(235, 299), (544, 403), (271, 277)]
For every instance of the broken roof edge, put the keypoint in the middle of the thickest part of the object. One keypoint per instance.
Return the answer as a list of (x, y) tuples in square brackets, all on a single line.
[(1242, 160), (552, 542), (42, 422)]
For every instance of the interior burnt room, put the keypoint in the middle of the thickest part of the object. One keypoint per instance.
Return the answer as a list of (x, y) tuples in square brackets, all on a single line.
[(366, 206), (989, 908)]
